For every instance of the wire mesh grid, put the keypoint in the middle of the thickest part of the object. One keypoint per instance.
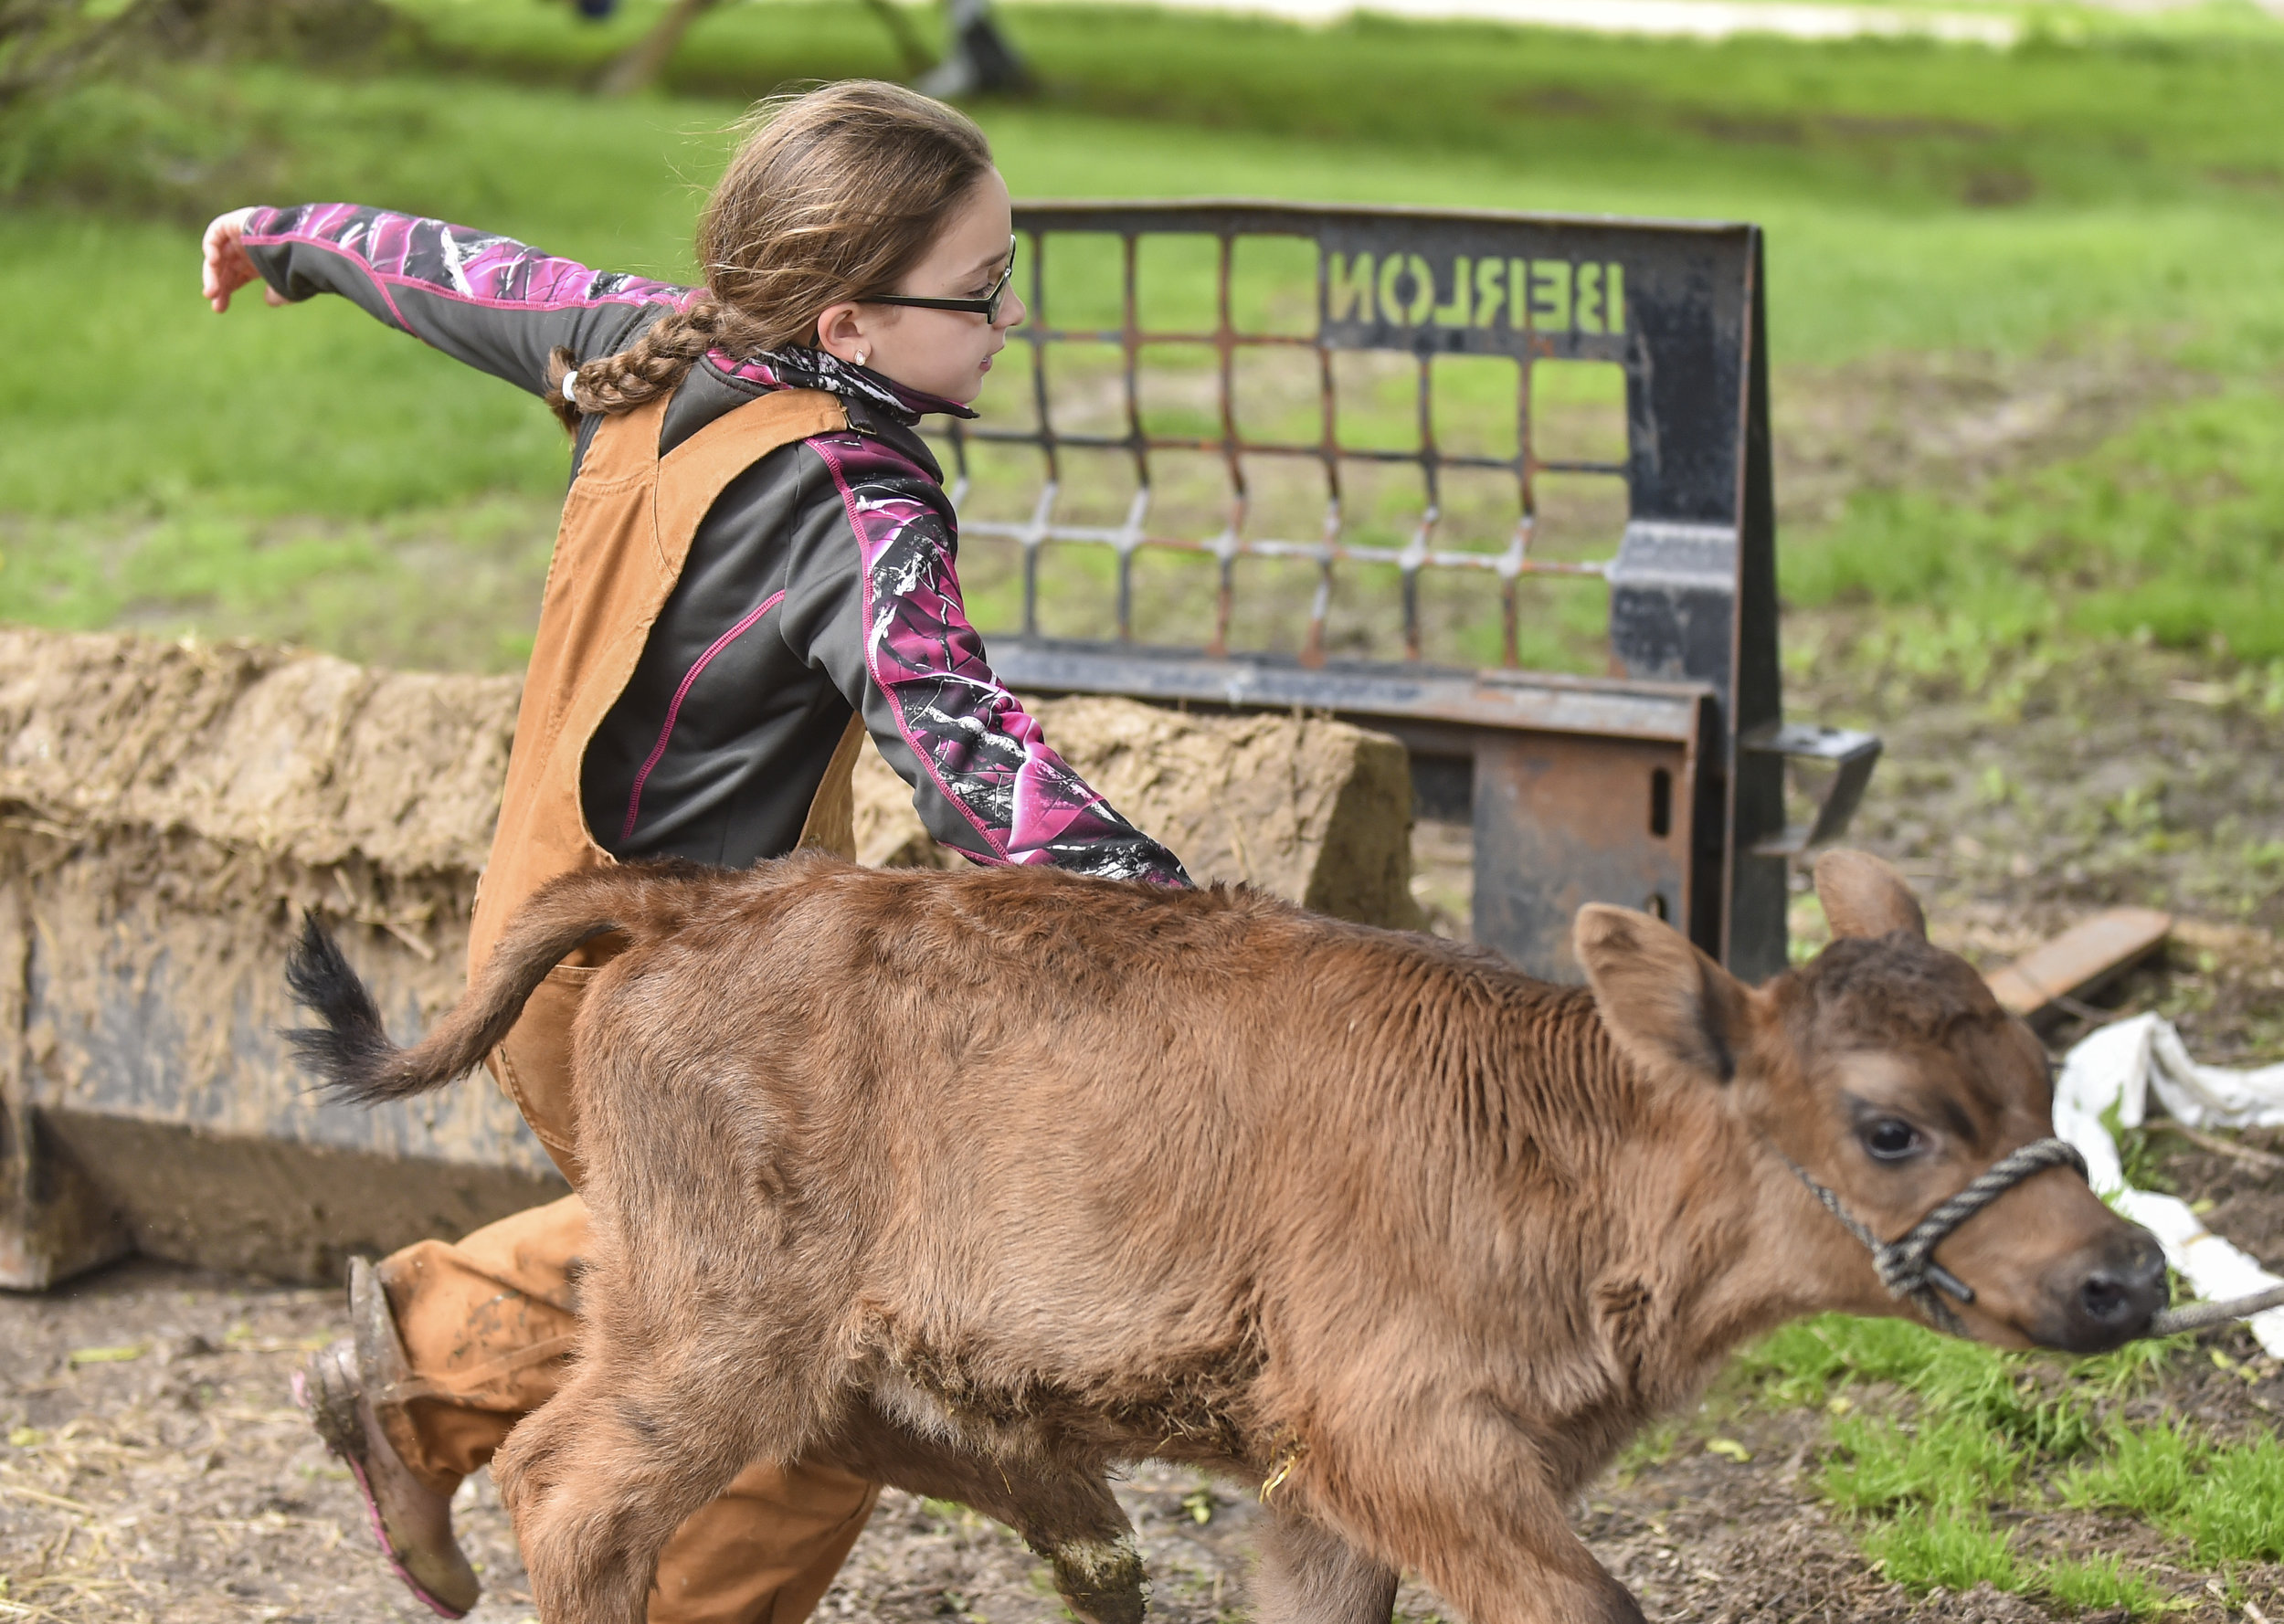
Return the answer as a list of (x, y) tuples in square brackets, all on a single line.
[(1143, 527)]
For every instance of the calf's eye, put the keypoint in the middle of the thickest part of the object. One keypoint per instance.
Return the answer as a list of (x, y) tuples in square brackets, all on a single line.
[(1891, 1139)]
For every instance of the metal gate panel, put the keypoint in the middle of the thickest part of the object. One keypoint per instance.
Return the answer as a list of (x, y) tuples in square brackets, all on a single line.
[(1557, 807)]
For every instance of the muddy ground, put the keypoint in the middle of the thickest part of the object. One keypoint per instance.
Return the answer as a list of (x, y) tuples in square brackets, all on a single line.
[(154, 1468)]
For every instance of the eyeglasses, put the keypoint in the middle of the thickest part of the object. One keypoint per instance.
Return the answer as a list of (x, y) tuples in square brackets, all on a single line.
[(986, 307)]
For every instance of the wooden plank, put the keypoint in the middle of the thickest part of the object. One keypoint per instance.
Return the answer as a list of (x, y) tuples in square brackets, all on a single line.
[(2079, 960)]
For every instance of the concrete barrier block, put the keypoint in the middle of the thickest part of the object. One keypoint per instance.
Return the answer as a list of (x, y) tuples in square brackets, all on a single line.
[(1316, 810), (168, 811)]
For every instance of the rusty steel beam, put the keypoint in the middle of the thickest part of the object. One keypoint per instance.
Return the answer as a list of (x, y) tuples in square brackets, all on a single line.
[(1372, 694), (1581, 789)]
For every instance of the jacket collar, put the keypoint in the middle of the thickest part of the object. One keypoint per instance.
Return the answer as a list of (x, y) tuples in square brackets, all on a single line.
[(817, 369)]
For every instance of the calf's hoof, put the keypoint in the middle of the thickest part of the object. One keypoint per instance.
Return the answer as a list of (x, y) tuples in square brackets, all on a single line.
[(1102, 1581)]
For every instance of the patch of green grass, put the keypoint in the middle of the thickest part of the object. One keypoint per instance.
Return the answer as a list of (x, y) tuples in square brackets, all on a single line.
[(2146, 1472), (2133, 1368), (1969, 1428), (1946, 1460), (129, 394), (2223, 1499), (371, 590), (1908, 118), (131, 399), (1917, 196), (1955, 1549), (2172, 529), (1924, 1491), (2096, 1584), (1804, 1361), (2236, 1513), (1653, 1445), (2138, 1157), (1807, 1361)]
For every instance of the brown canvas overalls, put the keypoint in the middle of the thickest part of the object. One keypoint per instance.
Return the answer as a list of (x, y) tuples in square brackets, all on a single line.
[(489, 1323)]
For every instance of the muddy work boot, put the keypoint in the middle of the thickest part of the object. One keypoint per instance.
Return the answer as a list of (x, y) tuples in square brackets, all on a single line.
[(413, 1522)]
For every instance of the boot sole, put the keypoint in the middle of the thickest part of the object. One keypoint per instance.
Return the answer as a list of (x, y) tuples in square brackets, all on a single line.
[(324, 1391)]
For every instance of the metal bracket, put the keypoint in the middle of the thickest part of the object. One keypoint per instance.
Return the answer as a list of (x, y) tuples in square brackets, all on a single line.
[(1850, 753)]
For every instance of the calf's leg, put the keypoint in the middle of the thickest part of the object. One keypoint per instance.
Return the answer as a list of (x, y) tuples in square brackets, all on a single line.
[(707, 1323), (1464, 1499), (599, 1479), (1100, 1580), (1065, 1513), (1306, 1574), (1072, 1520)]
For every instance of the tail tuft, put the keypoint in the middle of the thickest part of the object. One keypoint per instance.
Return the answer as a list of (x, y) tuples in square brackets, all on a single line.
[(351, 1054)]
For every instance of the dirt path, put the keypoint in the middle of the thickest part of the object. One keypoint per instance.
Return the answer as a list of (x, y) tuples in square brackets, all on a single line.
[(155, 1468)]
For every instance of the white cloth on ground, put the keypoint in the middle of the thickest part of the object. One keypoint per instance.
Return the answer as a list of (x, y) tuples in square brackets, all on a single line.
[(2120, 1065)]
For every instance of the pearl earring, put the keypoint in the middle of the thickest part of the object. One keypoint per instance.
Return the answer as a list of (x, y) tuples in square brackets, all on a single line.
[(860, 358)]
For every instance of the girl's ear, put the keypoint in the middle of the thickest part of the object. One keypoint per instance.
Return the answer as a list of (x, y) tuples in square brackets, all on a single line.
[(840, 330)]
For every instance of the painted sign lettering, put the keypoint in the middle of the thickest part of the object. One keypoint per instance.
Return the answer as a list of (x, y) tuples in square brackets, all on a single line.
[(1489, 292)]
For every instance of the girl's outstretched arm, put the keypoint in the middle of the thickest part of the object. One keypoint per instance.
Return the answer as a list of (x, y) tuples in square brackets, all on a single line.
[(488, 301)]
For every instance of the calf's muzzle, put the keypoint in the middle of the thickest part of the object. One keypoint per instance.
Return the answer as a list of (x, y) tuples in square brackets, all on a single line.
[(2105, 1294)]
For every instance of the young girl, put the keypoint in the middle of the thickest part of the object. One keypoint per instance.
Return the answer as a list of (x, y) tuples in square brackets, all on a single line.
[(754, 568)]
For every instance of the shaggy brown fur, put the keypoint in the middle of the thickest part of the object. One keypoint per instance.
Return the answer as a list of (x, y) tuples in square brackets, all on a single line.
[(981, 1183)]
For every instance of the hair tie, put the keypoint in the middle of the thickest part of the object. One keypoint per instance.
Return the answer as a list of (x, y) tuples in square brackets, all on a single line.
[(570, 378)]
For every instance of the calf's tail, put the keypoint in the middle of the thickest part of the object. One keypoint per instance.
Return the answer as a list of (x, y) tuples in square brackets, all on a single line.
[(351, 1053)]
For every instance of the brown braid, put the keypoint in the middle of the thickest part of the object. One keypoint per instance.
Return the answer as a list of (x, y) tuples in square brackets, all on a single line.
[(655, 363), (834, 195)]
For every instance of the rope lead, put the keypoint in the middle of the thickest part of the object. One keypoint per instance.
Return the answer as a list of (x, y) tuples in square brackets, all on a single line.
[(2171, 1322)]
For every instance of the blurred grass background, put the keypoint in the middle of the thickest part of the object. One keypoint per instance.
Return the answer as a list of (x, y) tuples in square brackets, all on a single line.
[(306, 474)]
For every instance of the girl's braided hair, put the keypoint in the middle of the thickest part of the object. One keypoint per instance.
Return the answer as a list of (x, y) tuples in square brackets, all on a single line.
[(834, 193)]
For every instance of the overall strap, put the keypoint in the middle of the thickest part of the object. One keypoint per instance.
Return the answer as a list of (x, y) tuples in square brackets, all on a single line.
[(690, 477), (628, 525)]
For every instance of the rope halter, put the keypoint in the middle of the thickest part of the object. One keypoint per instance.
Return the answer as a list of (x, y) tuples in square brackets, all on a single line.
[(1906, 1265)]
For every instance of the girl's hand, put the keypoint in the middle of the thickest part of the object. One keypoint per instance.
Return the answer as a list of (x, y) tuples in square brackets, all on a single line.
[(227, 268)]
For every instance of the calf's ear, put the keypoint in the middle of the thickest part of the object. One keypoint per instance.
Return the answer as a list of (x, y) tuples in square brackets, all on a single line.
[(1864, 897), (1673, 1011)]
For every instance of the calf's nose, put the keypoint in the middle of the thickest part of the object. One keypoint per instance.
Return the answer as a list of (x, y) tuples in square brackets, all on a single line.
[(2116, 1296)]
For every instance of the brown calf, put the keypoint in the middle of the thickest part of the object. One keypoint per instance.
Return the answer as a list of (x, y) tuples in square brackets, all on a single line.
[(982, 1184)]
